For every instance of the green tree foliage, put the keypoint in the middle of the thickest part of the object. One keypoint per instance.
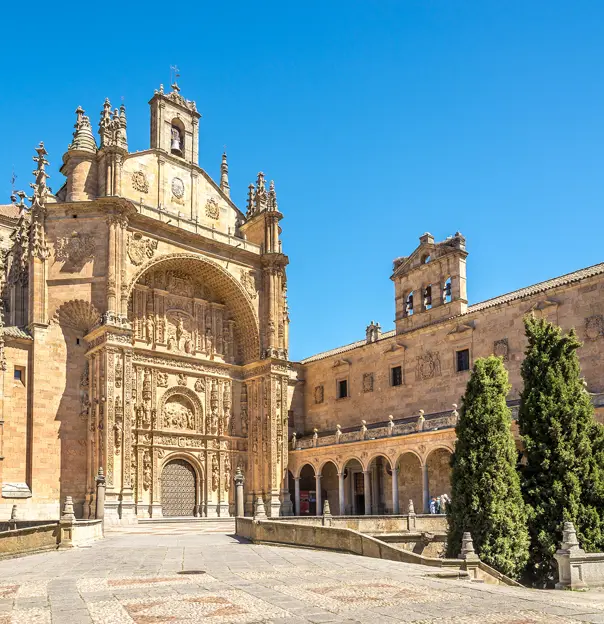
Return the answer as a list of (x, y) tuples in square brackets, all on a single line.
[(561, 480), (486, 498)]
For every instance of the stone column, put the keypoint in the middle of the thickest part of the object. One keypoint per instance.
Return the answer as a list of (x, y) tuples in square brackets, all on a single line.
[(341, 498), (395, 504), (375, 491), (367, 488), (239, 479), (297, 495), (318, 488), (99, 513), (426, 488)]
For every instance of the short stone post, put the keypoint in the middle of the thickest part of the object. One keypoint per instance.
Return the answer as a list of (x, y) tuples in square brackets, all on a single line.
[(260, 511), (66, 524), (570, 573), (239, 480), (468, 554), (99, 512), (326, 513), (12, 523), (411, 516), (420, 420)]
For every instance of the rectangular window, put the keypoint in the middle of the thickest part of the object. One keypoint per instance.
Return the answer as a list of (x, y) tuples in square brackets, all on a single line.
[(463, 360), (342, 388), (396, 376), (19, 374)]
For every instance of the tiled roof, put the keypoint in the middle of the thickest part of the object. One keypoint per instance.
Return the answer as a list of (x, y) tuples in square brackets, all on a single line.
[(563, 280), (10, 211), (16, 332)]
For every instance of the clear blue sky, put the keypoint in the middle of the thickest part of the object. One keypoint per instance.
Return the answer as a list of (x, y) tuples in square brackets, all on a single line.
[(377, 120)]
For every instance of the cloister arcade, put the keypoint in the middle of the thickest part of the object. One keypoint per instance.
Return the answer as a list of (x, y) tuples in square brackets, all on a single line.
[(369, 483)]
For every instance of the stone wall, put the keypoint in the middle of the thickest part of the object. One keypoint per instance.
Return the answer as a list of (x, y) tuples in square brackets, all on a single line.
[(427, 355)]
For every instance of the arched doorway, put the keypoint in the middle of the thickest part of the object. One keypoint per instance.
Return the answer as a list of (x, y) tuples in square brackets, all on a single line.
[(178, 489)]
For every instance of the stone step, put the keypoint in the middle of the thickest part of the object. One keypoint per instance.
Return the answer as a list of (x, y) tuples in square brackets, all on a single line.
[(186, 520)]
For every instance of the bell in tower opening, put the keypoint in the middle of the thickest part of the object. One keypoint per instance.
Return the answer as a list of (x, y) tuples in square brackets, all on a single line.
[(177, 141)]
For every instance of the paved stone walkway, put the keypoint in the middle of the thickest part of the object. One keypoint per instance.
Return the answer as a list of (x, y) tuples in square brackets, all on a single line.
[(156, 574)]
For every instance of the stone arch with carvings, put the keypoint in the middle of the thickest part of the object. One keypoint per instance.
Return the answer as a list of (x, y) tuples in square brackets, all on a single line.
[(223, 284), (77, 314), (176, 393)]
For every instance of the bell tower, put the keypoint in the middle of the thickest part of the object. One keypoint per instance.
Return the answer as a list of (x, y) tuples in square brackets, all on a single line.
[(430, 284), (175, 124)]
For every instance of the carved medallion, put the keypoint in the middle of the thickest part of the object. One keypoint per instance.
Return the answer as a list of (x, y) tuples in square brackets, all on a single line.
[(178, 188), (368, 382), (501, 349), (75, 248), (162, 380), (212, 209), (248, 282), (428, 365), (319, 394), (594, 327), (140, 249), (140, 182)]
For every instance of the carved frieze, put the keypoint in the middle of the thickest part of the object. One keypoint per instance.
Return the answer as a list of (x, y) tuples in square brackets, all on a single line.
[(140, 182), (428, 366), (501, 349), (368, 382), (212, 209), (594, 327), (319, 394), (76, 249), (140, 248)]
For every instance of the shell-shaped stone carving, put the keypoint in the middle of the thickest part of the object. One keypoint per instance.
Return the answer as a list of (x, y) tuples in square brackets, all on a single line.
[(78, 314)]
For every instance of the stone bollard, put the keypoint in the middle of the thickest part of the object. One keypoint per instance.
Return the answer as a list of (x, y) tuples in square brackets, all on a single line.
[(468, 554), (99, 512), (66, 524), (12, 523), (239, 480), (570, 559), (260, 512), (411, 516), (326, 513)]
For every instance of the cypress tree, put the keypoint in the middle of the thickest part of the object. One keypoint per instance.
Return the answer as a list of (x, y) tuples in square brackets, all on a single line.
[(561, 479), (485, 487)]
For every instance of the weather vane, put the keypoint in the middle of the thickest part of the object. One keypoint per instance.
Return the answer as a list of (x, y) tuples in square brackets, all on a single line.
[(174, 75)]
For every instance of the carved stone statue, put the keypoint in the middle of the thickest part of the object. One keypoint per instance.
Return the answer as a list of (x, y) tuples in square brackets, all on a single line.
[(179, 331), (215, 472), (150, 328)]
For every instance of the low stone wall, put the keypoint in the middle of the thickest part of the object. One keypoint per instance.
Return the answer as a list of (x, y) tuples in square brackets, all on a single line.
[(48, 536), (374, 525), (29, 540), (348, 540)]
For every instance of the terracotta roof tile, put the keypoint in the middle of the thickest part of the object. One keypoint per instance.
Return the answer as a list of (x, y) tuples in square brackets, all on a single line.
[(9, 210)]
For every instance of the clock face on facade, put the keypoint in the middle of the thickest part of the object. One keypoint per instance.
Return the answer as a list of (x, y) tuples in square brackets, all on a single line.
[(178, 188)]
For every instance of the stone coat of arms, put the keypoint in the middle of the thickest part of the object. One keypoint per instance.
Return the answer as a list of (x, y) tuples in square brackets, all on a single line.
[(140, 249), (75, 248)]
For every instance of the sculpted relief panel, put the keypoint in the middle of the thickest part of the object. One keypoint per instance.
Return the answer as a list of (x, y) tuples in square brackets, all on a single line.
[(179, 413), (172, 311)]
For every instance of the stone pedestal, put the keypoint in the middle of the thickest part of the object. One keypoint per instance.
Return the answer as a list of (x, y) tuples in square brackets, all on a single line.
[(570, 558), (66, 525), (274, 507), (156, 510), (239, 480)]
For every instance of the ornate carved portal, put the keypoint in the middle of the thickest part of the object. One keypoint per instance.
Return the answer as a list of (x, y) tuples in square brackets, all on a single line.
[(172, 412)]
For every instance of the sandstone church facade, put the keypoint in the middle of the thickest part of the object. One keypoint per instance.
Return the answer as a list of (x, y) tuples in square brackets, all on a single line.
[(145, 331)]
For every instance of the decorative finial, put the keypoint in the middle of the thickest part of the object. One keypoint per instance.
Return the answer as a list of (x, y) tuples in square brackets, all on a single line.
[(174, 76), (272, 197), (83, 139), (224, 175), (251, 198)]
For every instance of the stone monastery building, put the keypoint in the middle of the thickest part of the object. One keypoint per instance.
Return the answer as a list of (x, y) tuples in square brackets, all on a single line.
[(145, 332)]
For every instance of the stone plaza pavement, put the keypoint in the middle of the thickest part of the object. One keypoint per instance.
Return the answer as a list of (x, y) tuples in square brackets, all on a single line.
[(198, 573)]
